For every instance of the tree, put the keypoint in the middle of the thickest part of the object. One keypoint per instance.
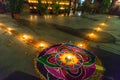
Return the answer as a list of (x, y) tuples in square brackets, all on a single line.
[(104, 6), (42, 8), (56, 7), (16, 7)]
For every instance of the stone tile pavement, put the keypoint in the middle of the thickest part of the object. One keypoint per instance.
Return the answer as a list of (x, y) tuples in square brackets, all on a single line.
[(43, 28)]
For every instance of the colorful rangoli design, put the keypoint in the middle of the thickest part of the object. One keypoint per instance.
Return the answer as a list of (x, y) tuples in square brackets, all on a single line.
[(66, 62)]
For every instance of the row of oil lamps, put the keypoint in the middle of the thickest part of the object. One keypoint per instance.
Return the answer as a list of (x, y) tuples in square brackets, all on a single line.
[(42, 44), (24, 37), (92, 35)]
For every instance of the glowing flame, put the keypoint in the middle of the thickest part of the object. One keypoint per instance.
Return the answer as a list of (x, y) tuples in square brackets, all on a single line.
[(82, 44), (103, 24), (98, 29), (9, 30), (109, 17), (69, 59), (25, 38), (92, 35), (41, 44)]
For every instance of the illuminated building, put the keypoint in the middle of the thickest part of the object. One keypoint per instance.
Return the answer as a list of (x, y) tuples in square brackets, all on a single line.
[(49, 4), (65, 6)]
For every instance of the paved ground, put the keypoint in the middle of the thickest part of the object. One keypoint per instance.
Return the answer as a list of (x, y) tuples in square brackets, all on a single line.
[(18, 56)]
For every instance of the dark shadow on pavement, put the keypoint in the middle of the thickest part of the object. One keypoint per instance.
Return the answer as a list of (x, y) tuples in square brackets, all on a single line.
[(33, 26), (18, 75), (110, 61), (86, 17), (103, 37), (26, 23)]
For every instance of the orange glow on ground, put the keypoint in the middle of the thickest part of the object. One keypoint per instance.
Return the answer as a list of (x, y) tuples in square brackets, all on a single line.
[(92, 35), (41, 44), (25, 38), (103, 24), (109, 17), (9, 30), (1, 24), (98, 29), (82, 45)]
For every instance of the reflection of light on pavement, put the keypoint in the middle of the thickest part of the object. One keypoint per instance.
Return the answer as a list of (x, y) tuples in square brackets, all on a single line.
[(61, 15), (33, 17), (47, 16)]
